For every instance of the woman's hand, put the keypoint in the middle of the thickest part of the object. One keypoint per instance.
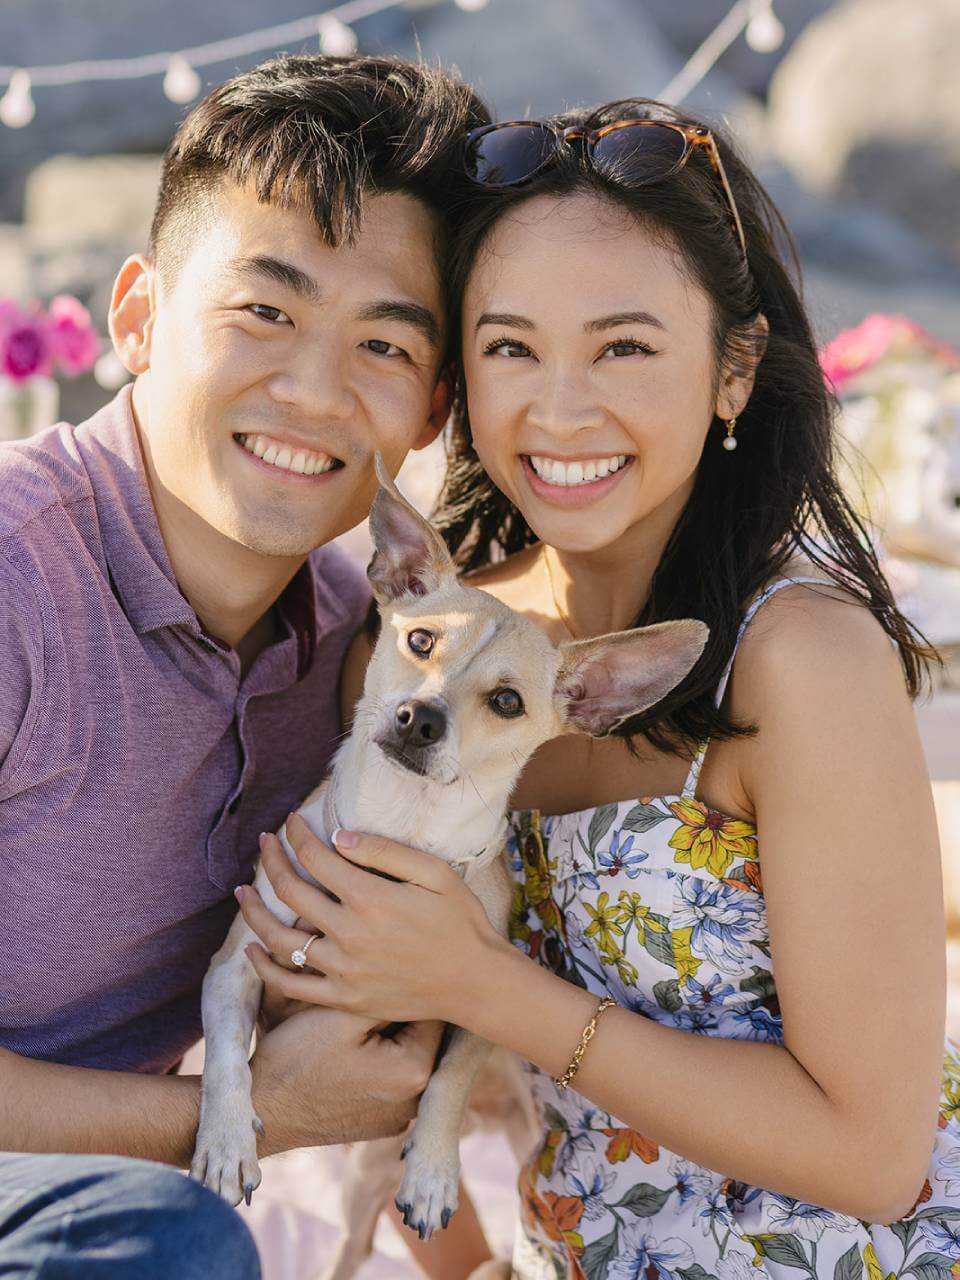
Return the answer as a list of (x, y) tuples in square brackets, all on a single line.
[(400, 949)]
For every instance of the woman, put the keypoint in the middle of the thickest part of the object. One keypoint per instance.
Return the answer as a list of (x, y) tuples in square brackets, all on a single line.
[(642, 433)]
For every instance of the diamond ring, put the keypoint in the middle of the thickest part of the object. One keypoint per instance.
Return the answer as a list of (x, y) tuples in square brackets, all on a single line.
[(299, 954)]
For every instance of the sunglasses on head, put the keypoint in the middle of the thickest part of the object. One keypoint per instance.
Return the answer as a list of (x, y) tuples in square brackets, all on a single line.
[(633, 152)]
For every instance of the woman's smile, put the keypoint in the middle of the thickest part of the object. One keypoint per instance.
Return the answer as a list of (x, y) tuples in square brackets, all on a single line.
[(574, 482)]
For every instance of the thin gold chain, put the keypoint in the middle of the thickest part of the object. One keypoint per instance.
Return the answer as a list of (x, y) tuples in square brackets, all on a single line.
[(553, 592)]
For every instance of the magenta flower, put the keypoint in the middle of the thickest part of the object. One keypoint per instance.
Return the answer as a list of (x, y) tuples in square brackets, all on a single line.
[(74, 341), (24, 343), (855, 350)]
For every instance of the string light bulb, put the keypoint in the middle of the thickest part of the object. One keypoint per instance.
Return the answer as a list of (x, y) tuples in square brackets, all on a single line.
[(181, 83), (16, 106), (764, 30), (336, 38), (471, 6)]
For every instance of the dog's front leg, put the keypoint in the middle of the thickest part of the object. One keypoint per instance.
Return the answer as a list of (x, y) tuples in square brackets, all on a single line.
[(225, 1156), (428, 1194)]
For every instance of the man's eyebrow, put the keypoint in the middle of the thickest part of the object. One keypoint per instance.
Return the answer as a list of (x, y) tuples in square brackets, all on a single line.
[(623, 317), (505, 320), (411, 313), (282, 272)]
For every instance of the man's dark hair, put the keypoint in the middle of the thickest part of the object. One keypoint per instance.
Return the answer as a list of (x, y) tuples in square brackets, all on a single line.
[(316, 133)]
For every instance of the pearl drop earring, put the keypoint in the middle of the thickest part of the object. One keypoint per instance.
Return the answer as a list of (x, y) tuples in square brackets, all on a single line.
[(730, 443)]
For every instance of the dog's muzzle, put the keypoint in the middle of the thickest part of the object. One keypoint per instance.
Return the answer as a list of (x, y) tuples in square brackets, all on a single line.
[(419, 724), (417, 727)]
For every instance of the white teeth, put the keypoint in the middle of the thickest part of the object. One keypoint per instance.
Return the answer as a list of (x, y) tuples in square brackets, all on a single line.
[(565, 474), (287, 459)]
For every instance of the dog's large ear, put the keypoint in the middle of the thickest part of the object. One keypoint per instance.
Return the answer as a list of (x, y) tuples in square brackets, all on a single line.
[(410, 557), (603, 682)]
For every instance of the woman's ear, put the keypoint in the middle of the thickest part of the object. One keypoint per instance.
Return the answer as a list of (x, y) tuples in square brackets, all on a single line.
[(132, 309), (440, 403), (745, 349)]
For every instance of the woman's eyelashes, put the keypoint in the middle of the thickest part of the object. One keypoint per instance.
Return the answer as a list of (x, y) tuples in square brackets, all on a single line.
[(618, 349), (622, 347), (506, 347)]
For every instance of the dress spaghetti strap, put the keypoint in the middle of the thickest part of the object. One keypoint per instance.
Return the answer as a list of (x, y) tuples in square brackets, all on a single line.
[(693, 777)]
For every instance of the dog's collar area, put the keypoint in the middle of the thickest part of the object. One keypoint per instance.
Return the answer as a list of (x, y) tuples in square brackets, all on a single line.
[(473, 862), (477, 861)]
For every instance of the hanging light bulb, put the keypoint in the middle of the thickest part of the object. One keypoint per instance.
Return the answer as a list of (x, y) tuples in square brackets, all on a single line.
[(764, 30), (16, 106), (336, 38), (471, 6), (181, 83)]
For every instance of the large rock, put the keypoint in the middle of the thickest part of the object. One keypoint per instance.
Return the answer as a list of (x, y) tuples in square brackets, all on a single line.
[(863, 107)]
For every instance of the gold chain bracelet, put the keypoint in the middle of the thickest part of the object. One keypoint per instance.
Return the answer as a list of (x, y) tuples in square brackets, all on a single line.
[(586, 1035)]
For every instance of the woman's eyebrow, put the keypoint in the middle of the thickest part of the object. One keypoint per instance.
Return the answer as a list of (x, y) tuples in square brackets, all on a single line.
[(623, 317), (505, 320)]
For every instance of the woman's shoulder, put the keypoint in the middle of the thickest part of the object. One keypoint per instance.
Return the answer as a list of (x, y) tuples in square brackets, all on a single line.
[(810, 641)]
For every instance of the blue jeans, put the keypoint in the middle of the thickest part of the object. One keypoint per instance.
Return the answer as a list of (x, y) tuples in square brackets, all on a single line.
[(109, 1218)]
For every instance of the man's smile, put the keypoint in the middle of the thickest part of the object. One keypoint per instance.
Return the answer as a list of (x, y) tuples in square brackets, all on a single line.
[(280, 456)]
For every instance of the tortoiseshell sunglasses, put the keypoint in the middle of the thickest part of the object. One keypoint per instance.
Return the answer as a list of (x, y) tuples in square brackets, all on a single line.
[(638, 152)]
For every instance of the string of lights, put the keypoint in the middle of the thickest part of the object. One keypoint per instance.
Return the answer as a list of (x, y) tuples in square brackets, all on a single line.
[(181, 83)]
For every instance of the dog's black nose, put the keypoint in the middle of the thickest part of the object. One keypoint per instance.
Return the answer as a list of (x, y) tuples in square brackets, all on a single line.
[(420, 724)]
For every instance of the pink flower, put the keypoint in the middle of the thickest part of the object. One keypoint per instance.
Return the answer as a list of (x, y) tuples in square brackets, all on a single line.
[(24, 343), (854, 350), (74, 341)]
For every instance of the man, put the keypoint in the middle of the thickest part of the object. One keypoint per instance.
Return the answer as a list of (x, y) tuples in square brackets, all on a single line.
[(172, 637)]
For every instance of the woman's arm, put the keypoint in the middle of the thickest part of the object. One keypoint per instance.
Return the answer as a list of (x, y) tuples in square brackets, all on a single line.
[(844, 1114)]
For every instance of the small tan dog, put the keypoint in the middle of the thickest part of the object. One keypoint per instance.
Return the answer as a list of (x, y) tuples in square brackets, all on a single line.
[(459, 693)]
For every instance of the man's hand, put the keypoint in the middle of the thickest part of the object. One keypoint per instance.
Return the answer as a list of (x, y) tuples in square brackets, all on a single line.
[(324, 1076)]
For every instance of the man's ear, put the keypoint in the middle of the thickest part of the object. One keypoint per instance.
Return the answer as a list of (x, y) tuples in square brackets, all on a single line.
[(440, 403), (603, 682), (738, 372), (410, 557), (132, 309)]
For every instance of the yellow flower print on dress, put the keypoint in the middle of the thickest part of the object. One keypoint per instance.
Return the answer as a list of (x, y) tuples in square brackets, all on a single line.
[(709, 839), (603, 925)]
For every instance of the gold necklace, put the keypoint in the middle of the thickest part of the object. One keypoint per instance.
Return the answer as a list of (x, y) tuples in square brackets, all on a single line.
[(556, 603)]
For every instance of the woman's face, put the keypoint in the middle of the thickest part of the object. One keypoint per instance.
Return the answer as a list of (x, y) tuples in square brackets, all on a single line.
[(590, 370)]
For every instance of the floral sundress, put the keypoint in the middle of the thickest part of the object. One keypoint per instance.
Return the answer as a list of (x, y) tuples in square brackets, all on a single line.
[(659, 903)]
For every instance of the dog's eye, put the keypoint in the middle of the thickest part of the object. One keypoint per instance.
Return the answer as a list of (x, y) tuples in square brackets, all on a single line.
[(421, 642), (506, 703)]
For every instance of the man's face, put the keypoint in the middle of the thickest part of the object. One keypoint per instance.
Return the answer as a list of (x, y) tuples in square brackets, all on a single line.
[(268, 342)]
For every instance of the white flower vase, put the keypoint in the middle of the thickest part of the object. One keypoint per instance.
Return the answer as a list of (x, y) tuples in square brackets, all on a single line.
[(27, 407)]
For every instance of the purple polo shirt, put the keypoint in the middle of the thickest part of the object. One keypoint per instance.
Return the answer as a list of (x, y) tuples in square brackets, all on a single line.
[(136, 765)]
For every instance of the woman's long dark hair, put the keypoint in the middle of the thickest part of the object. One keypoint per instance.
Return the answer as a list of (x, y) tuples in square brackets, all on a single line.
[(752, 509)]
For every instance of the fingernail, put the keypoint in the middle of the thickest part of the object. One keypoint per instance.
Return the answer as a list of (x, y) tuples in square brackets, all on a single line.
[(345, 839), (262, 839), (248, 950), (238, 893)]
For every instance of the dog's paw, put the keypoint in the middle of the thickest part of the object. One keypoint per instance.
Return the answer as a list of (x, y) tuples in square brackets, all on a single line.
[(428, 1194), (225, 1156)]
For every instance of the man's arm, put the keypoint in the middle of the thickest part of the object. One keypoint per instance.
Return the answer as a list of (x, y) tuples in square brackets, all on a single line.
[(318, 1078)]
